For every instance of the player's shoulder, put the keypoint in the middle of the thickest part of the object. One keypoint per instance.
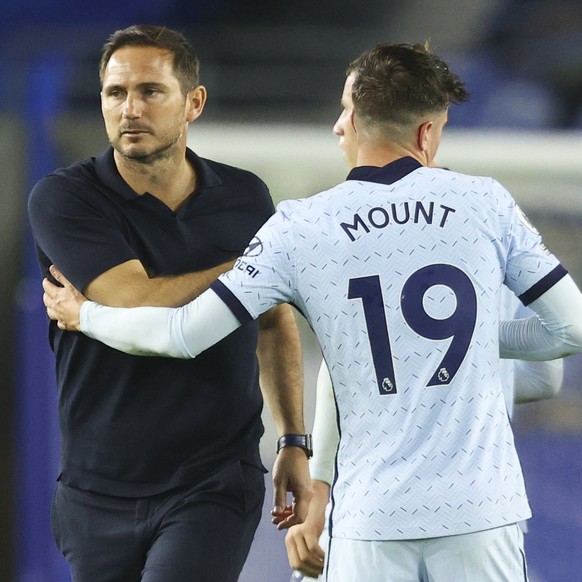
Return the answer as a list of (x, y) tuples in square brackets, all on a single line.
[(305, 206), (455, 176), (467, 186)]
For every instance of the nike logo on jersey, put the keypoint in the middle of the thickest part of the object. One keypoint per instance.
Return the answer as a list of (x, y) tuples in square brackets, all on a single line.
[(255, 248)]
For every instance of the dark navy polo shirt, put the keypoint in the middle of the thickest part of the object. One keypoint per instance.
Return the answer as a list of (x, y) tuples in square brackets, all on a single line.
[(135, 426)]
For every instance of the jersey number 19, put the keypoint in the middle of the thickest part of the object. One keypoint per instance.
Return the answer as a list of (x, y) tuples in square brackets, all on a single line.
[(458, 326)]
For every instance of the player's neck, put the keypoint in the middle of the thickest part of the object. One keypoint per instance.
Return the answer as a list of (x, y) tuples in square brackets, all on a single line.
[(381, 155)]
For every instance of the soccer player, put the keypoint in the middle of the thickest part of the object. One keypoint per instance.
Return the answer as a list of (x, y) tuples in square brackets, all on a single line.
[(160, 461), (522, 381), (399, 271)]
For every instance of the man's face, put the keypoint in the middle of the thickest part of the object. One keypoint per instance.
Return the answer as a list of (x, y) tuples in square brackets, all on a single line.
[(143, 107), (348, 141)]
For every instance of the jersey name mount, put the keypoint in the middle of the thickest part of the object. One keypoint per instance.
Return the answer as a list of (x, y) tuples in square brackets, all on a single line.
[(415, 211)]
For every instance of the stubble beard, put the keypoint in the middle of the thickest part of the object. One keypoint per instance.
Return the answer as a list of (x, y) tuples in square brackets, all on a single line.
[(164, 151)]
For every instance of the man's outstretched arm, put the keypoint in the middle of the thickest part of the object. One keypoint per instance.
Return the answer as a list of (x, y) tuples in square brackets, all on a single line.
[(142, 331)]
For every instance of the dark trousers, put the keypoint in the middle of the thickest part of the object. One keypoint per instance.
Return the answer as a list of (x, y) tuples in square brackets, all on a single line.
[(197, 534)]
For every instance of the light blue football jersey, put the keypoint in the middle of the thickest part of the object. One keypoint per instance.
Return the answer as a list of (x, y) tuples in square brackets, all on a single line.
[(399, 270)]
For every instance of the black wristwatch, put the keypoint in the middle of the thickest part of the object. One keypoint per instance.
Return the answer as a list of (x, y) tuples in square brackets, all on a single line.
[(303, 441)]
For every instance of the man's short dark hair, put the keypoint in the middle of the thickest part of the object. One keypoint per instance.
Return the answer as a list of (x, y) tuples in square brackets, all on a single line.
[(186, 64), (396, 84)]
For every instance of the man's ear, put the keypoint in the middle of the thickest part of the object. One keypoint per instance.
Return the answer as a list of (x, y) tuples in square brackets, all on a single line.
[(352, 121), (423, 135), (195, 101)]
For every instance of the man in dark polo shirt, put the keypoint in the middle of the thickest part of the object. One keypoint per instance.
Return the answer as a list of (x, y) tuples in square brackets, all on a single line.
[(160, 475)]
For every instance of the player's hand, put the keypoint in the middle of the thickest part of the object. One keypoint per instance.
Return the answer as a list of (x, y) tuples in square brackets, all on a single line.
[(303, 550), (302, 541), (291, 475), (63, 304)]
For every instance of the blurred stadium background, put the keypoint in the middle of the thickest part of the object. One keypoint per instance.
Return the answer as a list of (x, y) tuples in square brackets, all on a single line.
[(274, 72)]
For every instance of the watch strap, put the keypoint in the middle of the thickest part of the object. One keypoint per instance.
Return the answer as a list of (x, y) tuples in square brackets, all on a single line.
[(303, 441)]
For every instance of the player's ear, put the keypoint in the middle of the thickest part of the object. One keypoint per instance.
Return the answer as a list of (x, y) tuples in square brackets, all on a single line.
[(352, 122), (195, 100), (423, 135)]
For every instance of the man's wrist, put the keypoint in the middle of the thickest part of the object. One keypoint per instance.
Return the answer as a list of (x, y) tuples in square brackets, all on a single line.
[(303, 441)]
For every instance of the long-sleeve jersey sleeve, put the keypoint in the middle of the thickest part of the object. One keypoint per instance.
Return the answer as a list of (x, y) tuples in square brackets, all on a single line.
[(189, 330), (555, 332), (160, 331), (325, 430)]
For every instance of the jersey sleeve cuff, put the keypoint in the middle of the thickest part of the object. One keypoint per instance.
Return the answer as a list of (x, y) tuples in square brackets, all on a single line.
[(232, 302), (543, 285)]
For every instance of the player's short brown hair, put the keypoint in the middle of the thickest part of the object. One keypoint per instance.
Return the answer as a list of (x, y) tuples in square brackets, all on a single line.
[(396, 84)]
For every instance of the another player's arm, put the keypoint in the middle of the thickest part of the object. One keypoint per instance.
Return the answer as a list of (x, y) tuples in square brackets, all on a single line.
[(149, 331), (535, 381), (302, 541), (129, 285)]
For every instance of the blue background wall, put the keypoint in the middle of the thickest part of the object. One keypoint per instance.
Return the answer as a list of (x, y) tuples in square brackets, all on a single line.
[(261, 64)]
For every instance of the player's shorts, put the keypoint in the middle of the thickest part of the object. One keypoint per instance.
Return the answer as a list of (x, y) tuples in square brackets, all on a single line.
[(495, 555)]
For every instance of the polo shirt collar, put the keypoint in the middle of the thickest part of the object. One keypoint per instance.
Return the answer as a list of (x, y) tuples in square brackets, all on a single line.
[(387, 174), (109, 175)]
